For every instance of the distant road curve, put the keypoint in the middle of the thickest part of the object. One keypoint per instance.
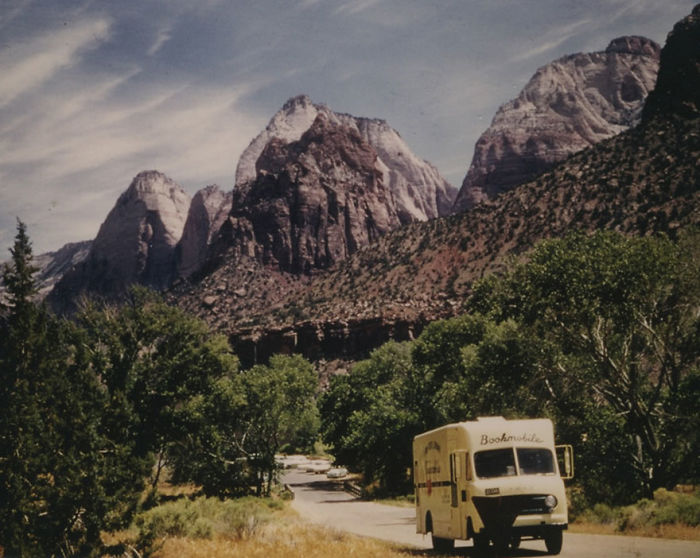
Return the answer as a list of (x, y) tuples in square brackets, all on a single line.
[(320, 502)]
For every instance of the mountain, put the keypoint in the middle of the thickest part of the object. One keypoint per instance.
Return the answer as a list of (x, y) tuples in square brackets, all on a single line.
[(568, 105), (314, 201), (53, 265), (418, 190), (135, 244), (678, 85), (644, 180), (208, 211)]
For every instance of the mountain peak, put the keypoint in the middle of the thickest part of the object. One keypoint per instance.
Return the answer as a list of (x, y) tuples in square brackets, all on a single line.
[(677, 89), (135, 243), (634, 44), (568, 105), (298, 101), (419, 190)]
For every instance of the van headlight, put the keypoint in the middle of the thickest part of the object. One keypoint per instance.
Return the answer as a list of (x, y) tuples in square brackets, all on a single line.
[(550, 502)]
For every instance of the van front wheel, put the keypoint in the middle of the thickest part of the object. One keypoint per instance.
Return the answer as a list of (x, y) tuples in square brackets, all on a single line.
[(553, 541), (481, 543), (443, 545)]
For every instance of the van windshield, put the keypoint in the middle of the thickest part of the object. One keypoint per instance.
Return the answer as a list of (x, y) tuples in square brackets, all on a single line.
[(495, 463), (501, 462), (535, 461)]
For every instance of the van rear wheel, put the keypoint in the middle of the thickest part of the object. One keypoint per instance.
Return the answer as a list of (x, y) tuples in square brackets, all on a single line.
[(443, 545)]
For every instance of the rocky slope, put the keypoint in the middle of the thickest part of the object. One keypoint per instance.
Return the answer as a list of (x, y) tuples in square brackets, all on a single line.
[(416, 186), (135, 244), (568, 105)]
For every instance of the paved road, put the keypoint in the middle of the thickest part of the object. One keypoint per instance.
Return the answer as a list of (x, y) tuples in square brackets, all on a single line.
[(325, 503)]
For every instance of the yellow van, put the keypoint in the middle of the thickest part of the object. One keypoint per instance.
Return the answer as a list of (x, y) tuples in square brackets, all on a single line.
[(491, 480)]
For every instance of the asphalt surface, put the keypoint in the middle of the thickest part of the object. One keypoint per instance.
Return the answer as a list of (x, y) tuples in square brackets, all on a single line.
[(324, 502)]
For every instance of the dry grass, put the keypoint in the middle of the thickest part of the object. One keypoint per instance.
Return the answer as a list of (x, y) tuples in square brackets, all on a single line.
[(291, 539), (672, 531)]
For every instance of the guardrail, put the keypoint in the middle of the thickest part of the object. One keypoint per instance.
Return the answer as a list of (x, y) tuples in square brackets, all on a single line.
[(352, 488)]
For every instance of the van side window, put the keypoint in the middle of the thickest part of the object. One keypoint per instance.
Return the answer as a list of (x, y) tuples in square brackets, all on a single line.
[(467, 468)]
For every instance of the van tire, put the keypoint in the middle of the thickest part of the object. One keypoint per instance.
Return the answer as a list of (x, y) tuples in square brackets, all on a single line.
[(481, 543), (443, 545), (553, 541)]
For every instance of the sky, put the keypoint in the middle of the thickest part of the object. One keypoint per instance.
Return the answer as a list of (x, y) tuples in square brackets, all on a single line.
[(94, 91)]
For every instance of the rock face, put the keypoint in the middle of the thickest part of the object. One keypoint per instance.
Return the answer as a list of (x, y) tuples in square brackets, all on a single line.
[(208, 211), (418, 190), (135, 244), (53, 265), (314, 201), (677, 89), (568, 105)]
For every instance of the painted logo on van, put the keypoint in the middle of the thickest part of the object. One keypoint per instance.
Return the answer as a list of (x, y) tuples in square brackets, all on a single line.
[(432, 445), (504, 438)]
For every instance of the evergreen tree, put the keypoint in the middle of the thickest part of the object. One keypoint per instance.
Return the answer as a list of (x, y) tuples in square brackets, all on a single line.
[(51, 499)]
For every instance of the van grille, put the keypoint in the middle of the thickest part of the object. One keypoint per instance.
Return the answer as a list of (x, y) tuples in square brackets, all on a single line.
[(502, 510)]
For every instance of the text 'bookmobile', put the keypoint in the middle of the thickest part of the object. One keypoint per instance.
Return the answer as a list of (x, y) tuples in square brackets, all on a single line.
[(491, 480)]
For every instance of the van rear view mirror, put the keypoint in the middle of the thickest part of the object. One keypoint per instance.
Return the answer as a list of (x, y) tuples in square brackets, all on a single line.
[(565, 457)]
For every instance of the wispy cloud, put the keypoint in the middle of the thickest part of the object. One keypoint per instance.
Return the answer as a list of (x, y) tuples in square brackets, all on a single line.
[(85, 147), (163, 36), (552, 40), (355, 6), (27, 65)]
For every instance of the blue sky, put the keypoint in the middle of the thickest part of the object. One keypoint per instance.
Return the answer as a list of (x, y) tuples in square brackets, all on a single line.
[(94, 91)]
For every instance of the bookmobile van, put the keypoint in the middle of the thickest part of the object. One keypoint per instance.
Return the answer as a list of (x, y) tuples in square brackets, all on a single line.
[(491, 480)]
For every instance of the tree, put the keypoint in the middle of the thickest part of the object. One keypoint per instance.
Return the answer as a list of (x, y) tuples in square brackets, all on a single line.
[(154, 360), (623, 316), (207, 452), (280, 399), (51, 497), (370, 417)]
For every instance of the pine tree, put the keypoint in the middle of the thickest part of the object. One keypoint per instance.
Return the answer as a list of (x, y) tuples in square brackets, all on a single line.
[(51, 496)]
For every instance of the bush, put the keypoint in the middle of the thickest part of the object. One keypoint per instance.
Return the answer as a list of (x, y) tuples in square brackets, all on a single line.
[(201, 519), (666, 508)]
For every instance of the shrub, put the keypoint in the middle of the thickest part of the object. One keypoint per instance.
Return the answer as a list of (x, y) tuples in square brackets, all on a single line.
[(201, 519), (666, 508)]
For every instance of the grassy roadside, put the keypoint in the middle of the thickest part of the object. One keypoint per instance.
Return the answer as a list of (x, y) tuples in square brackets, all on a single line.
[(185, 524), (669, 515), (211, 528)]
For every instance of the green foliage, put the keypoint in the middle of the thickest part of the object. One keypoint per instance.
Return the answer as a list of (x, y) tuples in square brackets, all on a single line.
[(91, 409), (600, 332), (370, 417), (280, 410), (622, 315), (52, 495), (666, 507), (201, 519), (457, 369), (156, 363)]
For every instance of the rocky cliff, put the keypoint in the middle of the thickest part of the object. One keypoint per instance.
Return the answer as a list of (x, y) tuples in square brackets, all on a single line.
[(313, 202), (418, 190), (678, 86), (568, 105), (209, 209), (135, 244)]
